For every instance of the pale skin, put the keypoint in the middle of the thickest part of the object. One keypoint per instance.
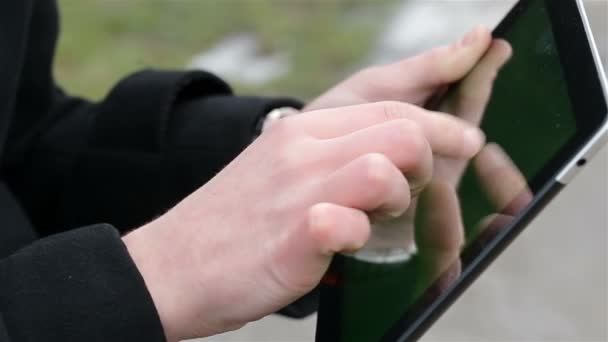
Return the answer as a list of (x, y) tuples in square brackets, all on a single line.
[(263, 231)]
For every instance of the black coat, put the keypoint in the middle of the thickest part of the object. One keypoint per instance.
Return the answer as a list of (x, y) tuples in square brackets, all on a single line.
[(68, 163)]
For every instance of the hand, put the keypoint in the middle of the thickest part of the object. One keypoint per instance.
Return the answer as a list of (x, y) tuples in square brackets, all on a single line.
[(414, 80), (263, 231), (469, 103), (439, 227)]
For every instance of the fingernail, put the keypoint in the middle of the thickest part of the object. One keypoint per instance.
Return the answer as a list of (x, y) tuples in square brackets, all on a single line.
[(474, 140), (385, 215)]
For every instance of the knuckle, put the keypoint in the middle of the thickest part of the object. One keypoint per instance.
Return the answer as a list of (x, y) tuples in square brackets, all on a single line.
[(392, 110), (405, 131), (320, 222), (290, 161), (452, 134), (398, 138), (413, 144), (287, 157), (317, 214), (378, 171)]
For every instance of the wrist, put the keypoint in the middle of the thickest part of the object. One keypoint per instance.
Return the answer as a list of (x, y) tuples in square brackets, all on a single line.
[(158, 271)]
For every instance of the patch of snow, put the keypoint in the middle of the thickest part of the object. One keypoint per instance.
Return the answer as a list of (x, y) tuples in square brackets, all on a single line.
[(419, 25), (237, 59)]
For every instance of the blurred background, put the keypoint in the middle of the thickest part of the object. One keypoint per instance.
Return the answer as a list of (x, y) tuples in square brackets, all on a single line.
[(550, 285)]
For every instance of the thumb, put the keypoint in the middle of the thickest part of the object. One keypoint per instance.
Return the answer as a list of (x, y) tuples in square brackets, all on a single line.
[(306, 251), (424, 73)]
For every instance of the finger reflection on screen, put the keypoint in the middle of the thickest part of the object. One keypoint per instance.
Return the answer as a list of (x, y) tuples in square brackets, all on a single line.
[(439, 233), (439, 227), (469, 101), (503, 183)]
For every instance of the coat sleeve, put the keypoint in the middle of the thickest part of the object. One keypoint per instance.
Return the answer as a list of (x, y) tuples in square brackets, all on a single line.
[(80, 285), (155, 138)]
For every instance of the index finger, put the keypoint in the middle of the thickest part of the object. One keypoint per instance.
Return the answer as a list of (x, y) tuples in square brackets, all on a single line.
[(448, 135)]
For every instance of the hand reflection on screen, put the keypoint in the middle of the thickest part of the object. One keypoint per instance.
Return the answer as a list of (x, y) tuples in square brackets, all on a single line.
[(439, 229), (469, 101), (510, 195)]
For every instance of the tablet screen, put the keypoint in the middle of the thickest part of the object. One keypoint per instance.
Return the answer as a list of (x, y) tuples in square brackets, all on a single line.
[(528, 120), (529, 117)]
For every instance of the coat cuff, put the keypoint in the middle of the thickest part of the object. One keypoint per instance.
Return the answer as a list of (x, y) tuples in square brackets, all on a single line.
[(206, 134), (127, 122), (77, 286), (221, 116)]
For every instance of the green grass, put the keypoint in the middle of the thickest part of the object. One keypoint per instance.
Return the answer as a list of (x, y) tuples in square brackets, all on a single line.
[(104, 40)]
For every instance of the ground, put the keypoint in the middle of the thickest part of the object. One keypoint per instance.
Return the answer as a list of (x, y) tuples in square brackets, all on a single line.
[(104, 40)]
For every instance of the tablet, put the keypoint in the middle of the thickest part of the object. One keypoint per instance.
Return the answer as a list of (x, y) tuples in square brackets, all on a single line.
[(546, 117)]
